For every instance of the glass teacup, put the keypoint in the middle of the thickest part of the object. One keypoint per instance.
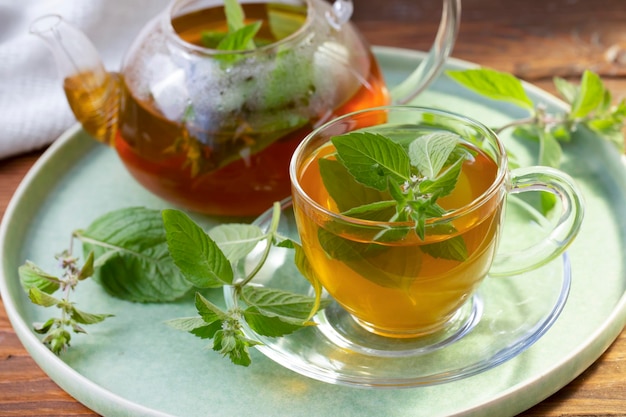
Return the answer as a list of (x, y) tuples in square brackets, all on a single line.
[(394, 278)]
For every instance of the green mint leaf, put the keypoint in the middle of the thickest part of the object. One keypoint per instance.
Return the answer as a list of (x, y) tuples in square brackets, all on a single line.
[(76, 328), (31, 276), (444, 184), (399, 192), (290, 84), (378, 211), (342, 249), (427, 206), (403, 133), (566, 89), (304, 266), (235, 17), (590, 95), (87, 318), (420, 222), (493, 84), (43, 328), (372, 158), (58, 340), (266, 325), (41, 298), (561, 133), (88, 268), (367, 260), (429, 153), (548, 201), (453, 249), (209, 311), (196, 326), (283, 242), (606, 102), (241, 39), (294, 308), (236, 240), (550, 152), (207, 331), (132, 260), (186, 324), (211, 39), (610, 125), (234, 345), (343, 188), (422, 209), (197, 256)]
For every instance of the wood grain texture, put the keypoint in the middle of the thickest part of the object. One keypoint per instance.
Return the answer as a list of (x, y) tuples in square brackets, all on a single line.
[(534, 39)]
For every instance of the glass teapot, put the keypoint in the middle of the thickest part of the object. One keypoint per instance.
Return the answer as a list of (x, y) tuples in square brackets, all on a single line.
[(212, 129)]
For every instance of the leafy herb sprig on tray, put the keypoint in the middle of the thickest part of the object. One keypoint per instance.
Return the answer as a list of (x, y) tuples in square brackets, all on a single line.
[(591, 108), (40, 287), (269, 312)]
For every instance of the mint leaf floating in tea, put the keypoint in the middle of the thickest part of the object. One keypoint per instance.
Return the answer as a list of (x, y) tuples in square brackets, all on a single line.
[(41, 287), (338, 181), (372, 158), (370, 176), (413, 178), (431, 152), (235, 16), (268, 312), (239, 37)]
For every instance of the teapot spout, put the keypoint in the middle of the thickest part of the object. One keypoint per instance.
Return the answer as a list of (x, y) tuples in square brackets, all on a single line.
[(93, 94)]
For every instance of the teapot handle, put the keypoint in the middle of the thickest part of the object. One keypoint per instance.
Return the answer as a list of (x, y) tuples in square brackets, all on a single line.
[(432, 65)]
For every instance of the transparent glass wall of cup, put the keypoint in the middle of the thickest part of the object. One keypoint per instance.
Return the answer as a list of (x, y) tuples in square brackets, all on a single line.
[(405, 288)]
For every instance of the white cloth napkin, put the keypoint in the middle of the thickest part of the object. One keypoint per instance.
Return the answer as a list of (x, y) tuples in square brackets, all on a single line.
[(33, 108)]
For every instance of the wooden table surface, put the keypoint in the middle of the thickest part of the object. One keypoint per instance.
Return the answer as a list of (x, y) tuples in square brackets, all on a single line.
[(535, 40)]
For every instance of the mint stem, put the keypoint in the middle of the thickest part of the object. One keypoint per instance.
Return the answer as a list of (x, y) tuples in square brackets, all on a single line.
[(514, 123), (269, 237)]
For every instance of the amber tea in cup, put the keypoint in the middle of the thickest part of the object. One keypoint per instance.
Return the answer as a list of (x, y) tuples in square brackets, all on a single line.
[(405, 270)]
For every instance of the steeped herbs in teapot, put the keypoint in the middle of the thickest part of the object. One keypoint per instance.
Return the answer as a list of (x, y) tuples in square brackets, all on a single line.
[(214, 96)]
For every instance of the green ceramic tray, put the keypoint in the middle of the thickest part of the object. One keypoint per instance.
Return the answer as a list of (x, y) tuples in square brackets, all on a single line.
[(158, 371)]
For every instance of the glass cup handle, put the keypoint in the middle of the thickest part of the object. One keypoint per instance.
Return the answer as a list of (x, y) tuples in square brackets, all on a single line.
[(432, 65), (540, 178)]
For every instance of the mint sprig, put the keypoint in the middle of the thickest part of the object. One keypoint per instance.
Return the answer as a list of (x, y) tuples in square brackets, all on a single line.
[(590, 108), (239, 37), (371, 176), (41, 287), (268, 312), (408, 180)]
